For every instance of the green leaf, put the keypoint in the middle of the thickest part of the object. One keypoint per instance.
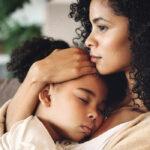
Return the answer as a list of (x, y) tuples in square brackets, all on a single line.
[(9, 6), (18, 35)]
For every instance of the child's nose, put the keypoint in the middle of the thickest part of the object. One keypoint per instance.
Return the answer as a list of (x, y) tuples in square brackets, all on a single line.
[(92, 115)]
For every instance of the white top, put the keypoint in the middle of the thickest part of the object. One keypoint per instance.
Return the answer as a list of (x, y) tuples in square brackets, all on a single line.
[(31, 134), (97, 143), (28, 134)]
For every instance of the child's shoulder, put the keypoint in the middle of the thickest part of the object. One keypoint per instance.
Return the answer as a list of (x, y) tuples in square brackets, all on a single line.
[(31, 132)]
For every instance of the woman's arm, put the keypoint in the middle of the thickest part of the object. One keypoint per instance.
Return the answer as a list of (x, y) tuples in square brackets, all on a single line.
[(23, 103), (57, 67)]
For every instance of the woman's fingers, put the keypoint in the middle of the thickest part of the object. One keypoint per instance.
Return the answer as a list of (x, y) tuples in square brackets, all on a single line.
[(62, 65), (84, 64), (85, 71)]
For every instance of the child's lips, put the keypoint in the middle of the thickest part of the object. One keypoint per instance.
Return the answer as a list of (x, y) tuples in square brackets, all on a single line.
[(86, 129)]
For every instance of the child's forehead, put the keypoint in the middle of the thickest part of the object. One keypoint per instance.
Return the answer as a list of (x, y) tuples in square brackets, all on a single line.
[(92, 78)]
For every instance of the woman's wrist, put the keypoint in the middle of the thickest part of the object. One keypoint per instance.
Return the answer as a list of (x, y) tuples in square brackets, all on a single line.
[(34, 76), (40, 73)]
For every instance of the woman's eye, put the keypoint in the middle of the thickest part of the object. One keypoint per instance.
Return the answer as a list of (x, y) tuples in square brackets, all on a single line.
[(103, 28)]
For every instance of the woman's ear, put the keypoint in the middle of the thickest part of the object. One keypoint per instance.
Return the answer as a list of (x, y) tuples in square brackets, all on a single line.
[(44, 96)]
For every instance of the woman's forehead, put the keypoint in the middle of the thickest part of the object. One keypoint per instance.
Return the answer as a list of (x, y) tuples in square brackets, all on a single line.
[(97, 7)]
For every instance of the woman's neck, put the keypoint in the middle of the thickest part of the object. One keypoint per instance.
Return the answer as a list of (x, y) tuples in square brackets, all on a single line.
[(124, 113), (120, 116), (134, 101), (131, 83)]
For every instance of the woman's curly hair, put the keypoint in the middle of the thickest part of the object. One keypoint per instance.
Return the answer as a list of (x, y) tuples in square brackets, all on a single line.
[(138, 14), (31, 51), (80, 13)]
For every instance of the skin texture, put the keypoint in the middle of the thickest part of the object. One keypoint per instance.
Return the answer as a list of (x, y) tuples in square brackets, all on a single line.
[(108, 41), (73, 109)]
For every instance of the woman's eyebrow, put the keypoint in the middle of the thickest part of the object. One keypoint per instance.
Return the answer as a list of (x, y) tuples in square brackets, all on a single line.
[(87, 91), (95, 20)]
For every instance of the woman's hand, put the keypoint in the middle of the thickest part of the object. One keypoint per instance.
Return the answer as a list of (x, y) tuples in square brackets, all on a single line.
[(62, 65)]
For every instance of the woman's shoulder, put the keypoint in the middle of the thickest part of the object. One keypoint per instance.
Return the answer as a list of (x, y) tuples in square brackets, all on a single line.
[(135, 135)]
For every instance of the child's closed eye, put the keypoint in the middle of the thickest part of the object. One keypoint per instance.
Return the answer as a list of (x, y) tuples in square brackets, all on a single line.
[(84, 100)]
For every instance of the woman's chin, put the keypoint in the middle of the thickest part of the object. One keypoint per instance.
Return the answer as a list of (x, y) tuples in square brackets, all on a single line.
[(104, 71)]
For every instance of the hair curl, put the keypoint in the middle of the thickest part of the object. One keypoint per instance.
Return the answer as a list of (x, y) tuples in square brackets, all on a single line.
[(79, 13), (31, 51), (138, 14)]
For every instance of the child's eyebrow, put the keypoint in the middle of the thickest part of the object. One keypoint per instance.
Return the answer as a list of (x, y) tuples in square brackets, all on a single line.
[(87, 91)]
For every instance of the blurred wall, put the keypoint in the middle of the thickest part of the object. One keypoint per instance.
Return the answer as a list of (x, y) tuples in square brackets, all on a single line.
[(52, 16), (57, 23), (31, 13)]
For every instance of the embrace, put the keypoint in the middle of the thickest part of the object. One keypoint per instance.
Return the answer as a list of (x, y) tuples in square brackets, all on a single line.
[(73, 99)]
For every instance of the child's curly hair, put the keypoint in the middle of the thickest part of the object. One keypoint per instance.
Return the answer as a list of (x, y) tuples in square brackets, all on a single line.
[(31, 51)]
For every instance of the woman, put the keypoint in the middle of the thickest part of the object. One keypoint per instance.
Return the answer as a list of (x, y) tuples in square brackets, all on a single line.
[(117, 33)]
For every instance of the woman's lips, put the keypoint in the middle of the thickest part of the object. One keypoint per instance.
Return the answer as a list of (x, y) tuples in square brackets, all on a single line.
[(95, 58)]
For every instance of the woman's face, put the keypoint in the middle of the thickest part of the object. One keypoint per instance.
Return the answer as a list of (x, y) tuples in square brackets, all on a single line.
[(108, 40)]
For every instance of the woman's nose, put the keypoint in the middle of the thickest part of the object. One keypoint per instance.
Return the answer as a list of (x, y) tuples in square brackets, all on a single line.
[(91, 41)]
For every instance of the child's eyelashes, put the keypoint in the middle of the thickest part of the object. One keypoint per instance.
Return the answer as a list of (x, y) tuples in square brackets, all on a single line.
[(83, 100)]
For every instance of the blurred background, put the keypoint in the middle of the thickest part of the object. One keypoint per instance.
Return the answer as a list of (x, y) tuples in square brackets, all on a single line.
[(23, 19)]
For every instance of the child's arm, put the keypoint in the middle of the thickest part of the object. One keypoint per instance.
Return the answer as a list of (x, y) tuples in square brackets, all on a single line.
[(57, 67)]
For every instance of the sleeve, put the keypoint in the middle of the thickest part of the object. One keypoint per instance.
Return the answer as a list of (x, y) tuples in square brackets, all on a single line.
[(28, 134), (17, 137), (4, 142), (3, 111), (134, 138), (9, 140), (137, 139)]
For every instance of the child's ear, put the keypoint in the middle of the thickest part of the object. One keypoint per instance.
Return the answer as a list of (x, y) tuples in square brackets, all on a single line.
[(44, 96)]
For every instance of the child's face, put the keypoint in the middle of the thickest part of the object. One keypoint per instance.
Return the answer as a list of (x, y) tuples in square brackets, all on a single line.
[(75, 107)]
